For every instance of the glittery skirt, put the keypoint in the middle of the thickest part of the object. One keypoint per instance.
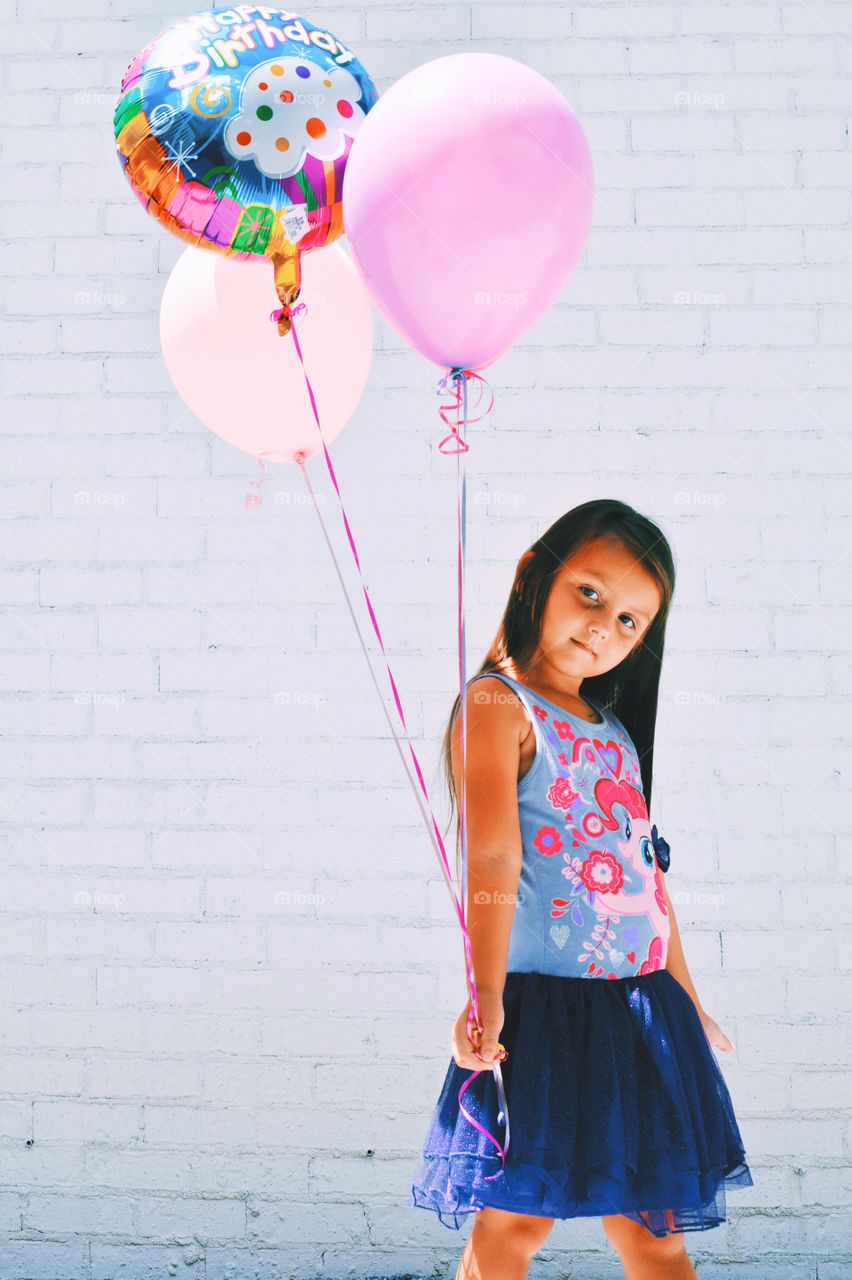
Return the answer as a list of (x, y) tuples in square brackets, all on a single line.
[(616, 1104)]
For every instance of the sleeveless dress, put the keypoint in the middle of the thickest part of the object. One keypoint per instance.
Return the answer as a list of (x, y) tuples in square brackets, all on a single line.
[(616, 1102)]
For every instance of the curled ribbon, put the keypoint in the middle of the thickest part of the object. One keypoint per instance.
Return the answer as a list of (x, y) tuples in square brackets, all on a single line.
[(287, 311), (254, 500), (662, 852), (459, 377)]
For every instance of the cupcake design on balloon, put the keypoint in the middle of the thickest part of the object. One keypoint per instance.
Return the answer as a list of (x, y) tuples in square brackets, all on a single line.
[(234, 128), (291, 108)]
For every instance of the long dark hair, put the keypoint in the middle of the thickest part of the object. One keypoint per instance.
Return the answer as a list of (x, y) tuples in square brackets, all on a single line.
[(630, 689)]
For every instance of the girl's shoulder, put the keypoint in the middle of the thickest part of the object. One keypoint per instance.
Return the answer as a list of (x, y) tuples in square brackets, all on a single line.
[(493, 689)]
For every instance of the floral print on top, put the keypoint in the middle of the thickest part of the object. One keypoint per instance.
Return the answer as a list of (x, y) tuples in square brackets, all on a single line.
[(590, 896)]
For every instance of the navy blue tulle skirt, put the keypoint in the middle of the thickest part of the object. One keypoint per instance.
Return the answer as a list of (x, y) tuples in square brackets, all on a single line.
[(616, 1104)]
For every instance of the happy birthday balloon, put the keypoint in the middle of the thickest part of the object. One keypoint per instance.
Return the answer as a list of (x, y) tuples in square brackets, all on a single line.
[(234, 128)]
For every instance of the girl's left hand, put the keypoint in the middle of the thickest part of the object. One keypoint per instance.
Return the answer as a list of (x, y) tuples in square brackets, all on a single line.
[(715, 1034)]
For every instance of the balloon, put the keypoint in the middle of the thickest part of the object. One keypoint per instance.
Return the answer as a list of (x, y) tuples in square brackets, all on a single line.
[(232, 371), (468, 197), (234, 128)]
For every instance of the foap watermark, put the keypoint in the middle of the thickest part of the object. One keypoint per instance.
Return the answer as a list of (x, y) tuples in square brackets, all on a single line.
[(488, 899), (499, 499), (700, 100), (295, 698), (96, 898), (85, 699), (695, 897), (93, 98), (695, 497), (697, 698), (303, 99), (494, 298), (295, 497), (483, 695), (695, 298), (94, 498), (297, 898), (491, 97), (93, 298)]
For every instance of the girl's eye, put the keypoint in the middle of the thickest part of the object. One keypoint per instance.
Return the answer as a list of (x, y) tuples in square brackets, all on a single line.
[(586, 587), (628, 828), (646, 851)]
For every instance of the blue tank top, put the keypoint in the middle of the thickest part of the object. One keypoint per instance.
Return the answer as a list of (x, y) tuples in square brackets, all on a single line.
[(590, 896)]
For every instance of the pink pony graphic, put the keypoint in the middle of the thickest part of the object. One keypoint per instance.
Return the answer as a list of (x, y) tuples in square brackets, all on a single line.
[(602, 874)]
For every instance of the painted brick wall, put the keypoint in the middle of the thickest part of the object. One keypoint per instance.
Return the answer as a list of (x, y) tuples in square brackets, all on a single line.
[(228, 961)]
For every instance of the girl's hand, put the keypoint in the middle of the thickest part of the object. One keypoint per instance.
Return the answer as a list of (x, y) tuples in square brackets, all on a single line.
[(492, 1015), (714, 1033)]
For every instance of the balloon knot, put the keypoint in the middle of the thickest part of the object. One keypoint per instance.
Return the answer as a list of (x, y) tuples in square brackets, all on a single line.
[(287, 311)]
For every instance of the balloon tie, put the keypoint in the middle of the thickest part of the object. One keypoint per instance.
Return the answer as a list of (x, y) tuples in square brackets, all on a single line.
[(255, 500), (287, 311), (459, 377)]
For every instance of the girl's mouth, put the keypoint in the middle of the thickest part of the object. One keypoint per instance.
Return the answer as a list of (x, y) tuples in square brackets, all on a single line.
[(585, 646)]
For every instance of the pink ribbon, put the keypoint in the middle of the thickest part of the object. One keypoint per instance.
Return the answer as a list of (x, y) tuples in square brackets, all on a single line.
[(459, 378), (255, 500), (455, 375), (288, 311)]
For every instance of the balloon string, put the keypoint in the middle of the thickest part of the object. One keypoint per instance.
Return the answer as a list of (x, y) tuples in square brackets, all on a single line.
[(255, 500), (422, 797), (458, 431), (429, 818)]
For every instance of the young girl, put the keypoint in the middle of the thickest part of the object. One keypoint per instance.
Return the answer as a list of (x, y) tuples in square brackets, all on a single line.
[(617, 1106)]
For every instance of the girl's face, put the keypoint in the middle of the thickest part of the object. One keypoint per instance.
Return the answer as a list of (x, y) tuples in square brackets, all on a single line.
[(601, 603)]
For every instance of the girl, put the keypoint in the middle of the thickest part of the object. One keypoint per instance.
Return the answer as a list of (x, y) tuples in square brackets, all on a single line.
[(617, 1106)]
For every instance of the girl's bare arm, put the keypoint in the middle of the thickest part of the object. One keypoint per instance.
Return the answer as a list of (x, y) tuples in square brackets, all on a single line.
[(676, 960), (496, 724)]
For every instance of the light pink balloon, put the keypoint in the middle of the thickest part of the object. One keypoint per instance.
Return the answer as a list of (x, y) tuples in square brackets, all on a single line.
[(242, 380), (467, 200)]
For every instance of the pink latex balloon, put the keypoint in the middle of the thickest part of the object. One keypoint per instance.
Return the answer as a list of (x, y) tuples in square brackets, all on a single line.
[(467, 200), (242, 380)]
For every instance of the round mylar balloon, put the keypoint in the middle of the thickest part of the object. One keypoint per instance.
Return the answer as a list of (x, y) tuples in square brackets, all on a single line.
[(230, 368), (234, 127)]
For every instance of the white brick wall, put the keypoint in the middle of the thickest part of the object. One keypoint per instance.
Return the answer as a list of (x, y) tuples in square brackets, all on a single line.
[(228, 958)]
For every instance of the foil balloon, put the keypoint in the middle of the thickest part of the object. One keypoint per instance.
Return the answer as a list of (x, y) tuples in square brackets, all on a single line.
[(234, 127)]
